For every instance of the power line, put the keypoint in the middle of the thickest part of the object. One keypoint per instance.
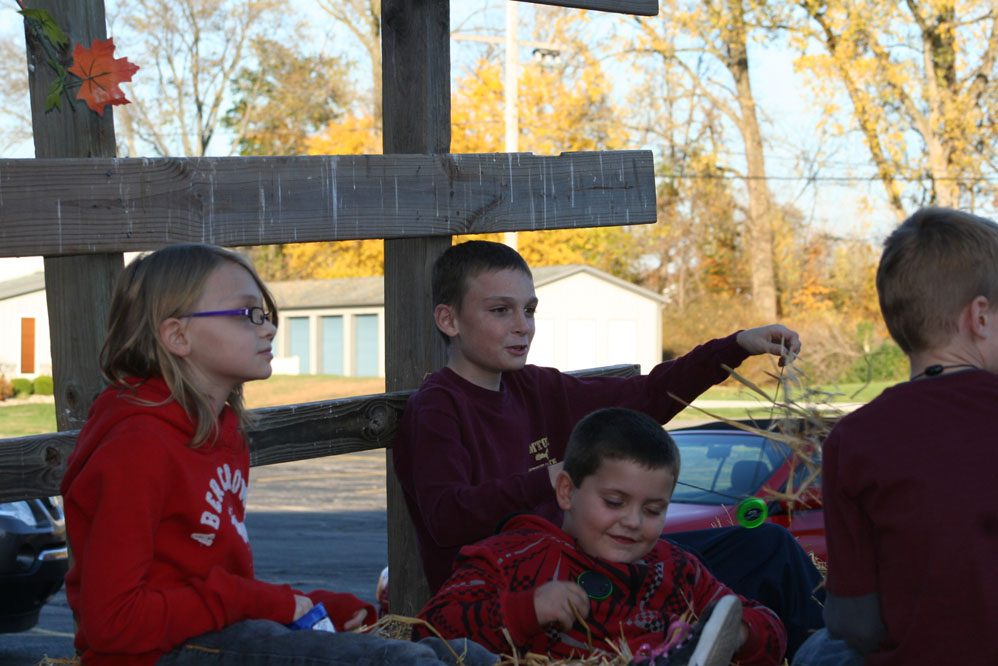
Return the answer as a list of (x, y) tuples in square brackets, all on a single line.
[(826, 179)]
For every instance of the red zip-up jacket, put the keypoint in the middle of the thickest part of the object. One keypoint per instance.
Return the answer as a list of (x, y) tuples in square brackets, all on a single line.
[(161, 551), (494, 581)]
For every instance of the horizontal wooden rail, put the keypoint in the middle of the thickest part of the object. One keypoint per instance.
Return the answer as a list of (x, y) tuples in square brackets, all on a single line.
[(636, 7), (115, 205), (33, 466)]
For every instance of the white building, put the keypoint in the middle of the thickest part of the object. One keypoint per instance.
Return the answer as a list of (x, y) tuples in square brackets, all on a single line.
[(330, 327), (585, 318), (25, 350)]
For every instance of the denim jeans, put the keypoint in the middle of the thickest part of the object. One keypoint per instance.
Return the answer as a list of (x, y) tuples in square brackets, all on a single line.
[(262, 642), (820, 649)]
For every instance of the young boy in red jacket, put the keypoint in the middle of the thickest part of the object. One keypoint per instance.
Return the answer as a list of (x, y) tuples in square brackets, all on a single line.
[(605, 565)]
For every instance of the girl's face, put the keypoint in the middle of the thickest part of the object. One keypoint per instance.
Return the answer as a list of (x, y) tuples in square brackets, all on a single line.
[(229, 350)]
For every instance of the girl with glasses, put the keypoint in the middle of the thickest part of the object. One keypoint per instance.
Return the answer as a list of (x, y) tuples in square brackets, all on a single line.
[(155, 489)]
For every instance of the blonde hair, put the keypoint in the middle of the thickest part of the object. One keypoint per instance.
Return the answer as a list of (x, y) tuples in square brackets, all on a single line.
[(154, 287), (934, 264)]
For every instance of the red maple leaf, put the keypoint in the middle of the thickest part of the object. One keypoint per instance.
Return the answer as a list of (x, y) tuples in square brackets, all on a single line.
[(101, 74)]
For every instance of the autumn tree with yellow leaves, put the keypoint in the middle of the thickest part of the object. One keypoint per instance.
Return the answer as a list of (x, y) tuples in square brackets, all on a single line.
[(685, 35), (919, 80), (565, 107)]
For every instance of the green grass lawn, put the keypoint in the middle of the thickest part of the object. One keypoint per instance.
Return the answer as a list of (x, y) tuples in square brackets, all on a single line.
[(18, 418), (27, 419), (760, 409)]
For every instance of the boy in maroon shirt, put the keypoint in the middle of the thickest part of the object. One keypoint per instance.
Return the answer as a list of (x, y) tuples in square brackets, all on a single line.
[(911, 516), (605, 564), (484, 437)]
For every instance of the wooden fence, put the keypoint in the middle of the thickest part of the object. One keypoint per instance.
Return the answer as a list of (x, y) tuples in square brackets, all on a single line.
[(33, 466), (80, 207)]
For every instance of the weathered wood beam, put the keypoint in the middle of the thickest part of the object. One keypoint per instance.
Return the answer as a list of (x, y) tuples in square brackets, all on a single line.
[(33, 466), (635, 7), (415, 56), (77, 288), (101, 205)]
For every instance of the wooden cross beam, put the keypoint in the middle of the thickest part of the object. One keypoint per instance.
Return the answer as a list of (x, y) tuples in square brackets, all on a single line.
[(637, 7), (102, 205)]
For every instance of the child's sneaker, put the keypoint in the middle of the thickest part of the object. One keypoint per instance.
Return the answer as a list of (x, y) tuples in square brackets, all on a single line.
[(712, 641)]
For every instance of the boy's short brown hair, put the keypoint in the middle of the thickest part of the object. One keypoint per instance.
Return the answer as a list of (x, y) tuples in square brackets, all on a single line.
[(459, 263), (616, 433), (933, 265)]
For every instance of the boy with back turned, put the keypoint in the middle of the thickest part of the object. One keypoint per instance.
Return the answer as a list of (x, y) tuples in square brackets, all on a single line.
[(911, 515), (485, 436)]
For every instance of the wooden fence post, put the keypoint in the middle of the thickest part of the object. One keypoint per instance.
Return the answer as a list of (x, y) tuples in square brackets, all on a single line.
[(70, 281), (415, 39)]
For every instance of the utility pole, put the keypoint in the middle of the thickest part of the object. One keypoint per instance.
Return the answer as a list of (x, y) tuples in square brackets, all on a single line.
[(510, 98), (512, 82)]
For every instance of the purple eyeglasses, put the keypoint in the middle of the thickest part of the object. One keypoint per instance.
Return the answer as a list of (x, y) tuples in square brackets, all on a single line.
[(254, 314)]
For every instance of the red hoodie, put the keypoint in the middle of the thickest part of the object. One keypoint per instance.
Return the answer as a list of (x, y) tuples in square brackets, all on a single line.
[(161, 551)]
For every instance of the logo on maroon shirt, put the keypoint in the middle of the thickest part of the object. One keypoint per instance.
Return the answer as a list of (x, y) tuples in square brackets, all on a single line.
[(541, 453)]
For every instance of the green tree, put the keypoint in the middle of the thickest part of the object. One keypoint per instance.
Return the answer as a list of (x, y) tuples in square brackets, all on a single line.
[(284, 98), (190, 53), (363, 19)]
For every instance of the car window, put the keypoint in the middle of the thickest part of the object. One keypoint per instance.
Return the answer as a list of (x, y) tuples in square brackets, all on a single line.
[(802, 473), (718, 467)]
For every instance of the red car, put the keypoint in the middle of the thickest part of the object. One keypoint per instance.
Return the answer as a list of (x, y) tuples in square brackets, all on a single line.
[(722, 465)]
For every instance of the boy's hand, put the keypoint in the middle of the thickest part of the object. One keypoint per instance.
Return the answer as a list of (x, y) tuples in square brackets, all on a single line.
[(302, 605), (774, 339), (553, 603)]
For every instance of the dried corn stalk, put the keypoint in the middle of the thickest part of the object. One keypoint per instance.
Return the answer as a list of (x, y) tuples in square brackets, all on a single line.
[(801, 421)]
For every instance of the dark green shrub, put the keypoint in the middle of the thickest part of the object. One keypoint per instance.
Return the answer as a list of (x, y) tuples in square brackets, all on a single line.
[(43, 385), (885, 363), (22, 386)]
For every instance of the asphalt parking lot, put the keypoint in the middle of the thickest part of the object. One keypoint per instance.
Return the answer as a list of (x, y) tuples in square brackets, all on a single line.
[(314, 524)]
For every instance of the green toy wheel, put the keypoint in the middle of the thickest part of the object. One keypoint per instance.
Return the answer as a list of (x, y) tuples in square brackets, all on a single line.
[(752, 512)]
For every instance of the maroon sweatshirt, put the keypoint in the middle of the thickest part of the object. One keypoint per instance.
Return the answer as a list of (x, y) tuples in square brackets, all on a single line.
[(467, 456)]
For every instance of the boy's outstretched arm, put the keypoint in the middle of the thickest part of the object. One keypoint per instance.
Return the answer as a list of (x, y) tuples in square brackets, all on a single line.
[(775, 339)]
